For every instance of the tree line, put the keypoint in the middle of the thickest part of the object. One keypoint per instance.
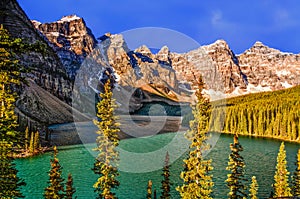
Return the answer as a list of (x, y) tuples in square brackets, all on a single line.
[(271, 114)]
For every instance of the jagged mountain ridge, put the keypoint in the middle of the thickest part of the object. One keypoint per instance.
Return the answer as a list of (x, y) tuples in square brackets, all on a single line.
[(70, 38), (260, 68)]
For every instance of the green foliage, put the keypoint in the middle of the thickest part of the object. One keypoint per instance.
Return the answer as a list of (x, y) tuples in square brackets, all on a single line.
[(296, 177), (31, 143), (165, 183), (106, 162), (10, 78), (9, 75), (281, 177), (269, 114), (197, 181), (253, 188), (236, 180), (149, 190), (9, 182), (70, 190), (26, 138), (56, 185), (36, 141)]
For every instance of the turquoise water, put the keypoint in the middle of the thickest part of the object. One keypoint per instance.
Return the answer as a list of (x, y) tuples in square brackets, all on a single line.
[(259, 154)]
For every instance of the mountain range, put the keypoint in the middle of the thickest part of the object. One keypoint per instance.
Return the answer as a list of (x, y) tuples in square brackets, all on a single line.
[(76, 63), (259, 68)]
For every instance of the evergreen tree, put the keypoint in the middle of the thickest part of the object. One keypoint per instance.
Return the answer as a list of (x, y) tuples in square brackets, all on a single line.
[(10, 78), (296, 177), (9, 182), (31, 143), (165, 183), (106, 162), (26, 138), (236, 165), (36, 142), (9, 75), (281, 177), (197, 180), (55, 188), (253, 188), (70, 190), (149, 190)]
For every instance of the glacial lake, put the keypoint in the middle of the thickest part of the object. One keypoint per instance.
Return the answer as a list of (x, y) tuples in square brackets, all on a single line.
[(259, 154)]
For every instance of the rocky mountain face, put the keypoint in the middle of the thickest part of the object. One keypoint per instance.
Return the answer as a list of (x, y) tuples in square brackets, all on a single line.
[(138, 75), (49, 88), (47, 70), (258, 69), (172, 77), (268, 69), (70, 38)]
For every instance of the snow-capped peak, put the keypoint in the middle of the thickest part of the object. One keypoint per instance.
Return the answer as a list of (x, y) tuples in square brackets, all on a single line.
[(69, 18), (36, 23), (258, 43)]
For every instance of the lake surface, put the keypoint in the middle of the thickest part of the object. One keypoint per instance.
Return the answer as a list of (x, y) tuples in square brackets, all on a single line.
[(259, 154)]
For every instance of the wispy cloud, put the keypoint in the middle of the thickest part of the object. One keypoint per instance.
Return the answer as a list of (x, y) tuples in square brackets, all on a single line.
[(284, 19), (218, 21), (281, 15), (216, 18)]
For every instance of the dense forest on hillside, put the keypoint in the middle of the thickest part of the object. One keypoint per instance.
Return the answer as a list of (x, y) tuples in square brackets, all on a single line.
[(268, 114)]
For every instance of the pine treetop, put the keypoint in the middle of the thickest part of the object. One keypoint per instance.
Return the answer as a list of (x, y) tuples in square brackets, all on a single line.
[(281, 177)]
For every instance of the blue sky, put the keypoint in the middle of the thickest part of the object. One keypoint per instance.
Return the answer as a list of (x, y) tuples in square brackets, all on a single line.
[(240, 23)]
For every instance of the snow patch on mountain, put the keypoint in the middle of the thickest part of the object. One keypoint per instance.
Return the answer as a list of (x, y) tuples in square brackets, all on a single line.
[(69, 18), (282, 73), (286, 85)]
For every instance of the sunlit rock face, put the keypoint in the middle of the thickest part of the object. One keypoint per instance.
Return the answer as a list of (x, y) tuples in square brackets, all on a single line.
[(269, 69), (71, 39), (172, 75)]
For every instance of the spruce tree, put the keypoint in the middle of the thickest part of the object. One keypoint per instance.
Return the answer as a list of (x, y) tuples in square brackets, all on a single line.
[(70, 190), (55, 188), (197, 180), (26, 138), (149, 190), (165, 183), (36, 142), (9, 75), (296, 177), (10, 78), (253, 188), (31, 143), (9, 182), (281, 177), (107, 160), (236, 180)]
